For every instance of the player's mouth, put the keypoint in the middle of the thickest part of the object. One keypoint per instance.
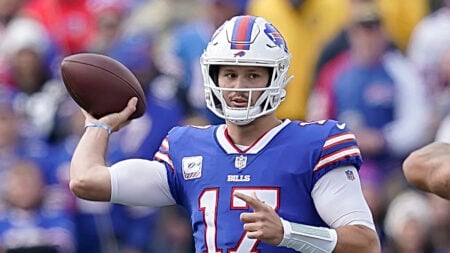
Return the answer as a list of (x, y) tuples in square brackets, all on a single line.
[(239, 102)]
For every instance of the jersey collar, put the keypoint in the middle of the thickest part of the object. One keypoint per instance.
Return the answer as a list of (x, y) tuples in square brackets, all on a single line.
[(230, 148)]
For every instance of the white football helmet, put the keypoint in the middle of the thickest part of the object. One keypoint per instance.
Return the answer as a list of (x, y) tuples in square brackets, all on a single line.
[(246, 41)]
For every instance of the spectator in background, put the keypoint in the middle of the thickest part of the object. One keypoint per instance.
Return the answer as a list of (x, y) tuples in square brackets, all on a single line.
[(29, 220), (188, 42), (408, 224), (109, 19), (399, 19), (15, 142), (71, 24), (29, 53), (377, 93), (9, 11), (10, 140), (429, 51), (318, 21)]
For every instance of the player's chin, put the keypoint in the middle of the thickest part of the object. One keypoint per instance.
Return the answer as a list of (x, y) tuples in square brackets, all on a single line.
[(238, 105)]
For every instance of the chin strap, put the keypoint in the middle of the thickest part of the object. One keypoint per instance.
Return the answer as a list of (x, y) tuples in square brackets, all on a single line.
[(308, 239)]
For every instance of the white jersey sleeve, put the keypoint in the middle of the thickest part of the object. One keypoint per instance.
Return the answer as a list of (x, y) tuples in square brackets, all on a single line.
[(339, 199), (140, 182)]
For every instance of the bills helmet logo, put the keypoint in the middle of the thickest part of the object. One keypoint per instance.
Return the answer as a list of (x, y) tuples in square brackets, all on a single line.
[(240, 54), (275, 36)]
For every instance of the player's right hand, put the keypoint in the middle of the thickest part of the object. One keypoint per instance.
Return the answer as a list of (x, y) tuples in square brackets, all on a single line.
[(115, 120)]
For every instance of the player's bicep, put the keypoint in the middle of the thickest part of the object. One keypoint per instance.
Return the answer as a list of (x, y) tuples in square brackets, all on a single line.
[(339, 199), (140, 182)]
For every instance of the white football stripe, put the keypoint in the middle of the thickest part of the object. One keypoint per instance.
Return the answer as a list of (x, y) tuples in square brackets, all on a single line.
[(164, 157), (336, 156), (165, 144), (333, 140)]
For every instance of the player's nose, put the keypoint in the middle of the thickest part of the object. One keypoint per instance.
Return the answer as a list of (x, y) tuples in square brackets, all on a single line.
[(240, 82)]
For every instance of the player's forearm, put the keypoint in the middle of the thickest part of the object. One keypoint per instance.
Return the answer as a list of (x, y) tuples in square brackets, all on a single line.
[(89, 176), (356, 238), (345, 239)]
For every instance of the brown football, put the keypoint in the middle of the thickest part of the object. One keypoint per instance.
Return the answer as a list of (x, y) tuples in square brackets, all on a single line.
[(101, 85)]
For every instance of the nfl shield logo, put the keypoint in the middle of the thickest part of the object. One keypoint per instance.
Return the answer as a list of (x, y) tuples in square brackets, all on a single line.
[(350, 175), (240, 162)]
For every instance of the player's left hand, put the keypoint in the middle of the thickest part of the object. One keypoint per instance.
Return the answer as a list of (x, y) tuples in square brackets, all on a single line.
[(263, 223)]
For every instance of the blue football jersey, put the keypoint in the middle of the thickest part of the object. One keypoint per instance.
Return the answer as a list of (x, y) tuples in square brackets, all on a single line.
[(205, 168)]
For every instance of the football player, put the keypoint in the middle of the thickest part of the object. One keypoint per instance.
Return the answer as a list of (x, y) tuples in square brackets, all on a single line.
[(254, 184)]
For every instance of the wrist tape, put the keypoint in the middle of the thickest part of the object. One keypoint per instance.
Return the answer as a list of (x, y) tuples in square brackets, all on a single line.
[(308, 239), (98, 124)]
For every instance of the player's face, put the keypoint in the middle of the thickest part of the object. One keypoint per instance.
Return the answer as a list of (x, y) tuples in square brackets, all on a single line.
[(242, 77)]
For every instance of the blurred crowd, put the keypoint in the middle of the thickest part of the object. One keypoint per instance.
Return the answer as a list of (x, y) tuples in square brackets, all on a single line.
[(380, 66)]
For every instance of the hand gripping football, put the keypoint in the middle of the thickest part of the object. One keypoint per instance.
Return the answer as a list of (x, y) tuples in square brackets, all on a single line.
[(101, 85)]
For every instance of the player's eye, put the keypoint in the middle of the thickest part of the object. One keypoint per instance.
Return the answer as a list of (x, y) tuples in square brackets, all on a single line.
[(230, 75), (253, 76)]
